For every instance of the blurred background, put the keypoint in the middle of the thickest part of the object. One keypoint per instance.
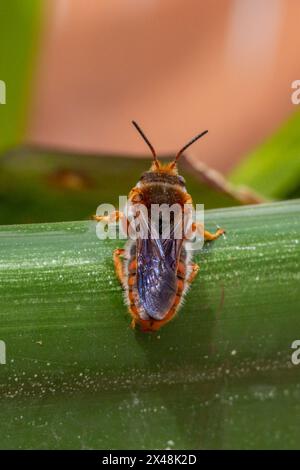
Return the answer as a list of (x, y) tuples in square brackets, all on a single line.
[(76, 73)]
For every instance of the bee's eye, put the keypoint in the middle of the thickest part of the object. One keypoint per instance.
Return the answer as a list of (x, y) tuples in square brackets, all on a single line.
[(181, 179)]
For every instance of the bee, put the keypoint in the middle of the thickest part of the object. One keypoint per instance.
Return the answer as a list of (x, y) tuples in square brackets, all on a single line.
[(156, 273)]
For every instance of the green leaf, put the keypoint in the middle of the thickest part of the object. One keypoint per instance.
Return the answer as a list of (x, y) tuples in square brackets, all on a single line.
[(273, 169), (219, 376), (20, 21)]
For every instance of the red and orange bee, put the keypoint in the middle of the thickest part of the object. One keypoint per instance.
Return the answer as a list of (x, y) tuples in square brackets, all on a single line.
[(156, 273)]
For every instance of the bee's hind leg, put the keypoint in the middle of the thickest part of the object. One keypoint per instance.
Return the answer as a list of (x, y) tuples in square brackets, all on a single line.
[(194, 271), (119, 264), (118, 257)]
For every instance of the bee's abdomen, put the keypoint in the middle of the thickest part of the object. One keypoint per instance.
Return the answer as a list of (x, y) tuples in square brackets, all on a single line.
[(171, 298)]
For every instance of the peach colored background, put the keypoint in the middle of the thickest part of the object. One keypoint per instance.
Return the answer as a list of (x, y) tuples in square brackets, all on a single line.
[(177, 67)]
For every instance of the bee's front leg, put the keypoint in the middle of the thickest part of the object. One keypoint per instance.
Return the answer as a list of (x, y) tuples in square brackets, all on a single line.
[(113, 217), (110, 218), (208, 236)]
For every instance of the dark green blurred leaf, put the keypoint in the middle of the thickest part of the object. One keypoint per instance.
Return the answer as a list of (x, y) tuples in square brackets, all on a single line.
[(45, 187), (20, 21)]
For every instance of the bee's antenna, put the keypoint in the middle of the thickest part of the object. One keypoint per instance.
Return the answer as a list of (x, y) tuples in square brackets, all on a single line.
[(147, 142), (187, 145)]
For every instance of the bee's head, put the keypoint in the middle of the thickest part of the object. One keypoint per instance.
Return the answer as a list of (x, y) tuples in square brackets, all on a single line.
[(158, 169)]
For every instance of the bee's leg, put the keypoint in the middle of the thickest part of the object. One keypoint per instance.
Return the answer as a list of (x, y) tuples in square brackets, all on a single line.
[(115, 216), (119, 265), (112, 217), (194, 271), (126, 280), (208, 236), (133, 313)]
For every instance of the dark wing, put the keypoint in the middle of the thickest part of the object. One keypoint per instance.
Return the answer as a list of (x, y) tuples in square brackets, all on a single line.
[(156, 274)]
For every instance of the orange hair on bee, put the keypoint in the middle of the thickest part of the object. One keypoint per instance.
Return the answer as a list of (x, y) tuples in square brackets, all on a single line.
[(186, 146), (147, 142)]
